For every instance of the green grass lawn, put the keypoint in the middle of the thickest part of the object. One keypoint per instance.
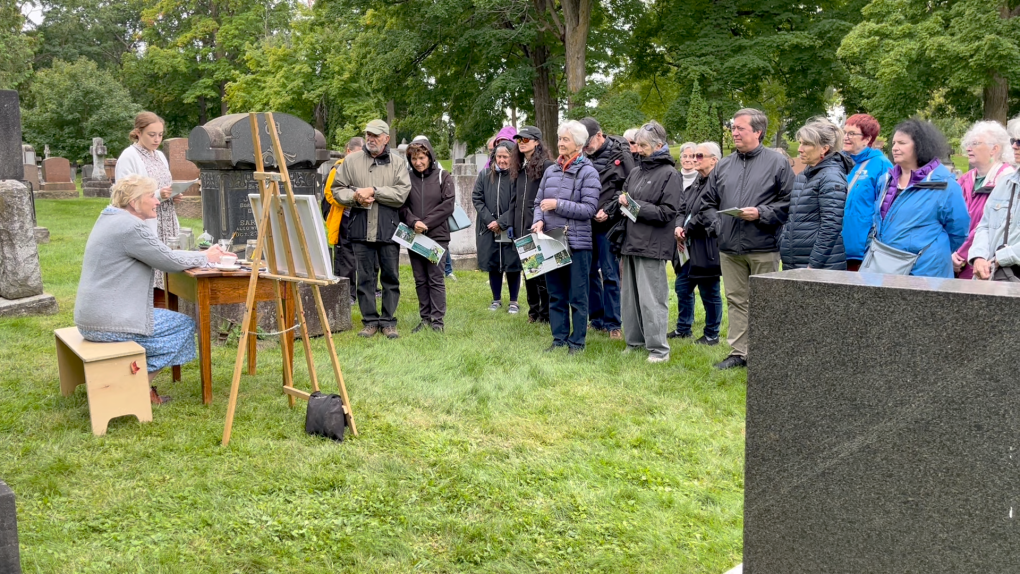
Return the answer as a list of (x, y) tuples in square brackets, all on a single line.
[(478, 453)]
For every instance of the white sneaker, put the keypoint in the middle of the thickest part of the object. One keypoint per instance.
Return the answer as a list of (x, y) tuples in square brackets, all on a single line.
[(451, 277), (654, 359)]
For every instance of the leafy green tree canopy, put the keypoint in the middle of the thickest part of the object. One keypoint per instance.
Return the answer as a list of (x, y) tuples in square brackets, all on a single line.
[(73, 102)]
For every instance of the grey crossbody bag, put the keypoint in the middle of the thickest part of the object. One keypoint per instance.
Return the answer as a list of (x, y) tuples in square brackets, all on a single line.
[(882, 258)]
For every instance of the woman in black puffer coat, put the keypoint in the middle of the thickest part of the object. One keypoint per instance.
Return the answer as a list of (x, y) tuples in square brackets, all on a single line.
[(813, 235)]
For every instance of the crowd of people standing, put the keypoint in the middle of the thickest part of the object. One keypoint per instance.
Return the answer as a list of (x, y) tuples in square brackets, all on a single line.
[(718, 220)]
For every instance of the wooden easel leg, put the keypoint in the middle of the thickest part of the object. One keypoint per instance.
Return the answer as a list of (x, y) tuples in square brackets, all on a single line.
[(283, 325), (253, 328), (313, 377)]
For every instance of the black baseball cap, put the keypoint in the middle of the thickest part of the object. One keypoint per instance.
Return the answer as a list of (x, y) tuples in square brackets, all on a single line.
[(593, 126), (530, 132)]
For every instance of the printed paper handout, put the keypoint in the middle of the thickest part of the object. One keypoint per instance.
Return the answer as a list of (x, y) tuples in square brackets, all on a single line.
[(418, 243), (732, 212), (631, 209), (179, 187), (541, 253)]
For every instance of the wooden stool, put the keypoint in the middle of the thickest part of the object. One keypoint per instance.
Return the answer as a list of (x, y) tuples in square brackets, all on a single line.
[(114, 376)]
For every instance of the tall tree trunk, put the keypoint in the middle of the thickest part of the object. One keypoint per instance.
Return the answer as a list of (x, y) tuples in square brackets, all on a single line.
[(223, 98), (391, 118), (319, 115), (202, 115), (996, 100), (546, 106), (577, 21)]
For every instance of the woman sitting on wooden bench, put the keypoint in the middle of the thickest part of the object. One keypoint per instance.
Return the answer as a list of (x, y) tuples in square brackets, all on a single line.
[(114, 300)]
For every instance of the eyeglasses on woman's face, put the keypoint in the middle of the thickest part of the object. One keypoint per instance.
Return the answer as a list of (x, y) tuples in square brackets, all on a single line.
[(850, 134)]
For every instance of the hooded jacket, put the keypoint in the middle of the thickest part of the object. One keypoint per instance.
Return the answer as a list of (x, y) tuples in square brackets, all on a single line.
[(576, 191), (990, 233), (614, 163), (494, 200), (760, 178), (526, 190), (929, 215), (431, 198), (976, 200), (812, 236), (860, 201), (657, 188), (387, 173), (334, 219)]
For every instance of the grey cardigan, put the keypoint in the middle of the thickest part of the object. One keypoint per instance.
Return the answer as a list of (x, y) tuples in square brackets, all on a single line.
[(115, 291)]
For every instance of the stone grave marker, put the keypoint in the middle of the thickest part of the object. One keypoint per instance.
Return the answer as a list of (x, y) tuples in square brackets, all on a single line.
[(190, 203), (881, 428), (11, 153), (96, 184), (57, 182), (111, 169), (21, 286), (10, 558)]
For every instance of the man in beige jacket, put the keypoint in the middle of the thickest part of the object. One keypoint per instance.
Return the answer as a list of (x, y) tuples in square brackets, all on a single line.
[(374, 183)]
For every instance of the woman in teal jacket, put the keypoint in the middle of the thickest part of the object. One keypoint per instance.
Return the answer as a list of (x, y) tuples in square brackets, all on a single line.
[(864, 185), (922, 209)]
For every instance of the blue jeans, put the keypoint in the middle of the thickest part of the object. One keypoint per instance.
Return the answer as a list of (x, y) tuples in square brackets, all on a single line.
[(568, 300), (711, 299), (604, 291), (449, 263)]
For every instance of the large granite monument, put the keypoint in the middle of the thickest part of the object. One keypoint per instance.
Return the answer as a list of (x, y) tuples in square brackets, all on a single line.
[(882, 427), (224, 152), (10, 557), (190, 202), (11, 153), (94, 182), (21, 286)]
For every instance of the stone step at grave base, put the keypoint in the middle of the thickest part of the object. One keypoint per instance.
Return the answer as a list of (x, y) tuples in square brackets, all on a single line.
[(189, 208), (335, 298), (96, 188), (44, 304), (739, 569), (45, 193), (57, 186), (42, 235), (461, 262)]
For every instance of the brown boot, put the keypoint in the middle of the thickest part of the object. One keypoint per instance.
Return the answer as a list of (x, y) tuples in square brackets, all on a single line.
[(369, 331), (616, 335), (390, 332)]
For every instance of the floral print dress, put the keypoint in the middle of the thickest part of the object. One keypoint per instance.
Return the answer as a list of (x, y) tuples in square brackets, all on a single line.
[(167, 226)]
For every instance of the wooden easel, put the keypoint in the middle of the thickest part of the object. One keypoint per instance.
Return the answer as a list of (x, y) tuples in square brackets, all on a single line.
[(269, 190)]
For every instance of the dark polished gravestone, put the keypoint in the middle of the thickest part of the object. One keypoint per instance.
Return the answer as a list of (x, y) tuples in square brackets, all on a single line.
[(882, 425), (224, 151), (11, 153), (10, 559)]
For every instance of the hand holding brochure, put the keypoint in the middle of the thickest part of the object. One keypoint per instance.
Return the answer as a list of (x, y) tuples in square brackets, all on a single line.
[(179, 187), (732, 212), (631, 209), (541, 253), (418, 243)]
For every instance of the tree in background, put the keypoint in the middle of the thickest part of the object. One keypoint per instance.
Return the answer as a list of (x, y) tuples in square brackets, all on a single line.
[(100, 30), (73, 102), (15, 47), (700, 125), (906, 52)]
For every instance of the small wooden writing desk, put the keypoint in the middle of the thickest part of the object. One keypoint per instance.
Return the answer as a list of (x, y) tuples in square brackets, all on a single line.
[(208, 287)]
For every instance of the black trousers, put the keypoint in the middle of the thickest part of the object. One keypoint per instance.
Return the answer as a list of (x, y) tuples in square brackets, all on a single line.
[(430, 285), (344, 264), (538, 298), (382, 261)]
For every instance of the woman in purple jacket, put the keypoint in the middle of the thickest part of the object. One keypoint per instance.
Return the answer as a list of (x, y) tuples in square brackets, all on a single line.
[(568, 198)]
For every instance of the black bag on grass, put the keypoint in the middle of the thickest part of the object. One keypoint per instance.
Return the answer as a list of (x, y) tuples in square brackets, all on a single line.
[(325, 416)]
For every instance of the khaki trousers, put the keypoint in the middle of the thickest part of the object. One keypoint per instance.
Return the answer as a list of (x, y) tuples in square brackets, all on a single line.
[(736, 270)]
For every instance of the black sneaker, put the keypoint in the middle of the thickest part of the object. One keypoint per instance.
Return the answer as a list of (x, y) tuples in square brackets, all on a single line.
[(420, 326), (732, 362), (678, 335), (575, 350), (706, 340), (554, 347)]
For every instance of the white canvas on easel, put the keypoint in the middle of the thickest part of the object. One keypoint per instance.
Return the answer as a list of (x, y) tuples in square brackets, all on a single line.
[(311, 225)]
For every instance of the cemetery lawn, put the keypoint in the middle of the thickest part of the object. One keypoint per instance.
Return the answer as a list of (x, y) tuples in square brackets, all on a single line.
[(478, 452)]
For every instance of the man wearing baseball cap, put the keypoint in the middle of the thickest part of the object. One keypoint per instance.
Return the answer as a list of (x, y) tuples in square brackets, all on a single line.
[(374, 184), (612, 159)]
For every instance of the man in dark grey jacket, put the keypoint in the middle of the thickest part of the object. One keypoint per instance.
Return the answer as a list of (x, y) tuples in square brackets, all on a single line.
[(750, 190)]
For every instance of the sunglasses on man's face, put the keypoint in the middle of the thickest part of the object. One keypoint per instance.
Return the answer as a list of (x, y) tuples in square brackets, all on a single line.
[(700, 156), (1014, 142)]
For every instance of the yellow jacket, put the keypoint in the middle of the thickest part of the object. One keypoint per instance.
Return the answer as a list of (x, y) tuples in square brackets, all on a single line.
[(336, 210)]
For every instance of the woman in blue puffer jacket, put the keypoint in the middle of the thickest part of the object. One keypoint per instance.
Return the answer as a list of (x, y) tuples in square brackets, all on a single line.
[(863, 190), (922, 208), (569, 197)]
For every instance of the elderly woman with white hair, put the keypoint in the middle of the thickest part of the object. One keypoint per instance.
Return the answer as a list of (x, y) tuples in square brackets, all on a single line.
[(655, 188), (995, 251), (568, 197), (991, 159), (114, 301), (688, 163), (812, 236), (629, 136)]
